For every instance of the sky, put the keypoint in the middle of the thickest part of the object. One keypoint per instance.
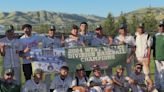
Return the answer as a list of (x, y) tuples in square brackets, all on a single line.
[(87, 7)]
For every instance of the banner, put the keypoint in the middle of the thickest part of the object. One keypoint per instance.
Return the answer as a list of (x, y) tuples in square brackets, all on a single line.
[(110, 56), (49, 60)]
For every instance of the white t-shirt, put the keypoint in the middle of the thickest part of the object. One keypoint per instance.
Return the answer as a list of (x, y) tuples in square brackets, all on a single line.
[(51, 42), (12, 48), (99, 41), (30, 42), (31, 86), (142, 42), (81, 82), (129, 40), (60, 85)]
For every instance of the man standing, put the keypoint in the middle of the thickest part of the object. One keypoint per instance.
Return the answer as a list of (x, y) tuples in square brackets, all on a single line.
[(51, 41), (158, 46), (10, 48), (29, 42), (8, 84), (143, 43)]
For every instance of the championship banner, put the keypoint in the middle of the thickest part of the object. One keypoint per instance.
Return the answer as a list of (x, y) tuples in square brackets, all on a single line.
[(49, 60), (105, 56)]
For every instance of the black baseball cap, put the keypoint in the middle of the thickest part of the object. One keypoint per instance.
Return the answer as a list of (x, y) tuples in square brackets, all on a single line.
[(141, 25), (52, 28), (9, 28), (161, 23), (98, 27), (123, 26)]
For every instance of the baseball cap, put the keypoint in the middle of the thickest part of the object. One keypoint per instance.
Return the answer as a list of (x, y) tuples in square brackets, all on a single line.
[(9, 28), (119, 67), (79, 67), (96, 67), (161, 23), (52, 27), (38, 71), (98, 27), (141, 25), (123, 26), (9, 71)]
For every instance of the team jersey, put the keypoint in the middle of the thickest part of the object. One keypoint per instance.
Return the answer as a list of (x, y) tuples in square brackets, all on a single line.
[(139, 78), (70, 42), (142, 43), (12, 48), (80, 82), (51, 42), (159, 44), (8, 87), (129, 41), (30, 42), (86, 38), (99, 41), (60, 85), (31, 86)]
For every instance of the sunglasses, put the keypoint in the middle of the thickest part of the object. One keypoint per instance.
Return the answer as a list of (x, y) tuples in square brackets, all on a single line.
[(161, 25), (138, 67), (9, 74)]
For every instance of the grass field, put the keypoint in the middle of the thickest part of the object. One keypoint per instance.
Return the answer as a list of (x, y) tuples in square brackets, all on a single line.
[(23, 79)]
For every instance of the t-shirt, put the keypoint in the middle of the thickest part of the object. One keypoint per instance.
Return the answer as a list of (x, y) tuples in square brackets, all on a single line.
[(99, 41), (31, 86), (12, 48), (30, 42), (139, 78), (142, 42), (159, 46), (60, 85), (86, 38), (70, 42), (8, 87), (51, 42)]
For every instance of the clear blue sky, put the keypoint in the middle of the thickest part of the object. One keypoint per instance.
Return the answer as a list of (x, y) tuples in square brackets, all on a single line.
[(95, 7)]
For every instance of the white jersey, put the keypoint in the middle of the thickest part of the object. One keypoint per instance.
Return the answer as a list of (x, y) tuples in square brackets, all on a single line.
[(60, 85), (142, 42), (30, 42), (70, 42), (31, 86), (12, 48), (129, 40), (51, 42), (98, 80), (99, 41), (80, 82)]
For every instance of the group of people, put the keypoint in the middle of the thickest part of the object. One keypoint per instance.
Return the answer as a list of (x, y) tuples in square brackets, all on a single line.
[(139, 49)]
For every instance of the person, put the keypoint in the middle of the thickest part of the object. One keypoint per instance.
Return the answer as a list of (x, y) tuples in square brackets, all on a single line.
[(138, 82), (99, 39), (125, 39), (51, 41), (98, 82), (35, 84), (74, 40), (79, 83), (143, 43), (62, 82), (158, 43), (110, 40), (10, 48), (8, 84), (84, 34), (120, 80), (29, 42)]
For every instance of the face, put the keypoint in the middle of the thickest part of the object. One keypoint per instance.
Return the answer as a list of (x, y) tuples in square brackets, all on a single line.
[(63, 72), (140, 30), (51, 33), (8, 77), (160, 28), (39, 76), (138, 69), (120, 72), (81, 73), (10, 34), (27, 31), (83, 27), (122, 31), (97, 73), (98, 31), (74, 32)]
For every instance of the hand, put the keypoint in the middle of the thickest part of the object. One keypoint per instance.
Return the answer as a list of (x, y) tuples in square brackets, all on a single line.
[(27, 49), (128, 60), (104, 82)]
